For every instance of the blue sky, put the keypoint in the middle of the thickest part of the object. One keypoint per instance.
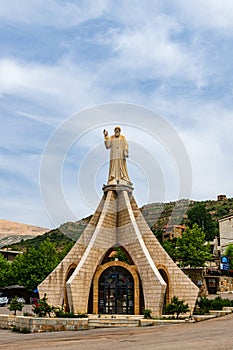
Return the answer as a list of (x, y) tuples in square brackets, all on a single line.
[(61, 58)]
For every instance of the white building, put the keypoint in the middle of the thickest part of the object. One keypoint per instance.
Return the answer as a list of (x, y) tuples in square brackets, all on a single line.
[(225, 231)]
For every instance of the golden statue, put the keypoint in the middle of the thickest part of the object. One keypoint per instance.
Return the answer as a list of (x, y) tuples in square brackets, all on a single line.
[(118, 173)]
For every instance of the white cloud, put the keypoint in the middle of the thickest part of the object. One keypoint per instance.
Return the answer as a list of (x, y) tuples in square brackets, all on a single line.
[(60, 14), (36, 118), (60, 85), (207, 138), (161, 57), (149, 51), (171, 56), (208, 14)]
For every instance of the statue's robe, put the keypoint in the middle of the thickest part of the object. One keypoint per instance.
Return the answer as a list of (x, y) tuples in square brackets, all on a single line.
[(118, 172)]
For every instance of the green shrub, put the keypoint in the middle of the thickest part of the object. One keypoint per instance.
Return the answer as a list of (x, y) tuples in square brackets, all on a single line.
[(176, 307), (59, 312), (147, 313), (204, 305), (24, 330), (28, 314), (81, 315), (15, 329), (42, 308), (218, 303)]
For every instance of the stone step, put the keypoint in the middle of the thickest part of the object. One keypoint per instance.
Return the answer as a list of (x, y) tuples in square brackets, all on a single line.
[(228, 308), (113, 322), (219, 313), (199, 318), (115, 316)]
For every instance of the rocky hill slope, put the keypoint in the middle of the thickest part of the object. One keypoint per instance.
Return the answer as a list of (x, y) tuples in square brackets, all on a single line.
[(157, 215), (13, 232)]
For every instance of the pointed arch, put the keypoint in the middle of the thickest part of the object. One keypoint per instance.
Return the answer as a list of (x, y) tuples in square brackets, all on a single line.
[(109, 255), (165, 275), (132, 271), (69, 273)]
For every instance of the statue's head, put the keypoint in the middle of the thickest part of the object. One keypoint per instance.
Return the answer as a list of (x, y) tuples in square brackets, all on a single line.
[(117, 131)]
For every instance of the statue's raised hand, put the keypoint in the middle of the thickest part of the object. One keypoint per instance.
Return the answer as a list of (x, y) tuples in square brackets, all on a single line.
[(105, 133)]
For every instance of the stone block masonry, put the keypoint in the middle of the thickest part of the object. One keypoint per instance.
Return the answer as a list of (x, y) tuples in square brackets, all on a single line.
[(37, 325), (117, 222)]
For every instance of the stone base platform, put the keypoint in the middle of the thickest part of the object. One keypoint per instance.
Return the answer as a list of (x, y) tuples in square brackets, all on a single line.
[(27, 324)]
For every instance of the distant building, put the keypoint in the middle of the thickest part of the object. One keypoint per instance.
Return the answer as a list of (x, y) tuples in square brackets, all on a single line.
[(225, 231), (173, 231), (215, 247), (221, 197), (9, 255)]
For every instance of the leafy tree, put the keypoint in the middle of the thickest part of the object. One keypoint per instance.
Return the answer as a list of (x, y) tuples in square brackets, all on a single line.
[(222, 211), (15, 305), (176, 307), (170, 247), (66, 248), (31, 268), (158, 232), (199, 215), (229, 252), (5, 271), (191, 249), (120, 255)]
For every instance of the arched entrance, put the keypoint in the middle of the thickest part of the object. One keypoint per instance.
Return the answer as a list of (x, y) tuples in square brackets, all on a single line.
[(167, 293), (116, 291), (65, 302)]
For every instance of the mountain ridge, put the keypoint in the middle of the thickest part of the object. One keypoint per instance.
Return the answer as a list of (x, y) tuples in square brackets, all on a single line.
[(157, 215), (13, 232)]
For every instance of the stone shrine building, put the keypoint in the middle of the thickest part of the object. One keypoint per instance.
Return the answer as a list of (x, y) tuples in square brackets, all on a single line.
[(93, 279)]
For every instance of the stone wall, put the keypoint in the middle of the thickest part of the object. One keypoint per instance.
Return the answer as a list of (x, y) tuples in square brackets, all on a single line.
[(226, 284), (197, 275), (35, 325)]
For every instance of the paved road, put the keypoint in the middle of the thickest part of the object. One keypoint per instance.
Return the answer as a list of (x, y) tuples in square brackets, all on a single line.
[(207, 335)]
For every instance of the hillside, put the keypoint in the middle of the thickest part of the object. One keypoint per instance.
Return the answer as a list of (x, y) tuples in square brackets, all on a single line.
[(58, 238), (74, 230), (12, 232), (64, 235), (157, 216)]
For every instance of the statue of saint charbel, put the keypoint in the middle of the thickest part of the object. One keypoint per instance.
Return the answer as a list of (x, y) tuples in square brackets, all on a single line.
[(118, 173)]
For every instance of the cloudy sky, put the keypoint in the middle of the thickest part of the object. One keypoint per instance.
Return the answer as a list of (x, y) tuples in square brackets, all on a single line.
[(68, 69)]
